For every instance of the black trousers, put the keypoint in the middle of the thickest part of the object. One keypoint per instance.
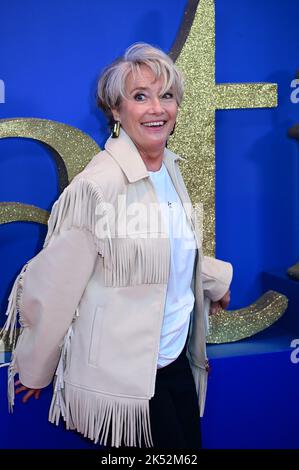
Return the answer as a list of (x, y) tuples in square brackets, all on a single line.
[(174, 409)]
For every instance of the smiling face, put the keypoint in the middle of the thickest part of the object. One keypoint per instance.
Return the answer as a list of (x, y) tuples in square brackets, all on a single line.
[(147, 116)]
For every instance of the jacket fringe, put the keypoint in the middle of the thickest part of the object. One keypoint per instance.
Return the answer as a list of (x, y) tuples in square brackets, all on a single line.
[(94, 414), (137, 261), (127, 261), (77, 206), (9, 331), (10, 381)]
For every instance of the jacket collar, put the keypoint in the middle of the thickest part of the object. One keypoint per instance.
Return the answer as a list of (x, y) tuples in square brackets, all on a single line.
[(126, 155)]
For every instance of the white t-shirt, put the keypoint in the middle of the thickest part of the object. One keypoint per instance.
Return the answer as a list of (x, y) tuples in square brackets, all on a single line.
[(179, 298)]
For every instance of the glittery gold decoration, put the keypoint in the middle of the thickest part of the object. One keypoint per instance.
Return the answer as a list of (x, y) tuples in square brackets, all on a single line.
[(194, 136), (232, 326), (71, 149), (293, 271), (18, 212)]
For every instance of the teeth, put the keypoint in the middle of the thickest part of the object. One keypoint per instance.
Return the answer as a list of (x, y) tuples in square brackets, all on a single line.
[(153, 124)]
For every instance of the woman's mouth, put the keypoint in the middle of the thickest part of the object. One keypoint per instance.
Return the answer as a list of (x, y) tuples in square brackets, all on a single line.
[(154, 124)]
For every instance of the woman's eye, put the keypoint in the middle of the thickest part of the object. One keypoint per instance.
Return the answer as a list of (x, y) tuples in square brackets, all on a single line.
[(168, 95), (139, 97)]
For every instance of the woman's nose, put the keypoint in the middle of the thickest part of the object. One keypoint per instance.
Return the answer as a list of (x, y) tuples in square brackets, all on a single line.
[(156, 106)]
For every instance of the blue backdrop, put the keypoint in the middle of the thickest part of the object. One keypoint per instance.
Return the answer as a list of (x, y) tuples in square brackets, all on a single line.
[(51, 55)]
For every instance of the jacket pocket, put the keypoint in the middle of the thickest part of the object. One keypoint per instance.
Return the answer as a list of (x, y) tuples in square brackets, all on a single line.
[(96, 334)]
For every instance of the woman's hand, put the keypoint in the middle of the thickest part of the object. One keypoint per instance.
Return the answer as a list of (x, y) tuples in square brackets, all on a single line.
[(220, 304), (31, 392)]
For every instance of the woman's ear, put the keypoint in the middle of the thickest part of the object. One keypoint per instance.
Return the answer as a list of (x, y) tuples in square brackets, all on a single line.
[(115, 114)]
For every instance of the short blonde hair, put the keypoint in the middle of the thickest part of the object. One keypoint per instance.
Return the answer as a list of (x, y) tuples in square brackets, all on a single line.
[(111, 84)]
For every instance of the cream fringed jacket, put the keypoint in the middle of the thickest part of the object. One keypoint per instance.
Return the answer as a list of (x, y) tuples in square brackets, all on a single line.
[(91, 302)]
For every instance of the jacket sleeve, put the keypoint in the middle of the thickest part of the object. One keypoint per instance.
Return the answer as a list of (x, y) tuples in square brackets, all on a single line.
[(217, 276), (53, 284)]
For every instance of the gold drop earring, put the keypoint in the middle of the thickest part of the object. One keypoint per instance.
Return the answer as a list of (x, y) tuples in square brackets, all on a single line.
[(115, 129)]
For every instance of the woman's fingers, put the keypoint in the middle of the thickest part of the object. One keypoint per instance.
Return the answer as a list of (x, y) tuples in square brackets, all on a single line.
[(28, 395), (223, 303), (214, 307), (30, 391), (21, 389)]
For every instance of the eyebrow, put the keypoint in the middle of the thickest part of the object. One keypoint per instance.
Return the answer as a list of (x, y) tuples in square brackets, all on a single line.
[(139, 88), (145, 88)]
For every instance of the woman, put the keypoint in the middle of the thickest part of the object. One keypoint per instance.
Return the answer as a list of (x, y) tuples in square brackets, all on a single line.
[(114, 303)]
